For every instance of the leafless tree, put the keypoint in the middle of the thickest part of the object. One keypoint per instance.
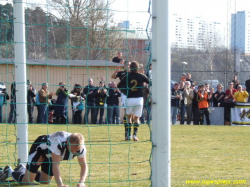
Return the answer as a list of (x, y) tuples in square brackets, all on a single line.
[(198, 65), (89, 28), (38, 34)]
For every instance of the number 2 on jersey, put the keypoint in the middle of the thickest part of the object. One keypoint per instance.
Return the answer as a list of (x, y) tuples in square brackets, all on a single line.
[(135, 84)]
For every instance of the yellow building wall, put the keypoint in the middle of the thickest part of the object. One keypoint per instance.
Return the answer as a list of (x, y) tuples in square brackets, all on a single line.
[(38, 74)]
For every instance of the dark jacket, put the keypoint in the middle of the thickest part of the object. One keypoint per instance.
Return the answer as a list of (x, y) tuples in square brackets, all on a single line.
[(221, 101), (61, 106), (100, 98), (146, 97), (116, 60), (109, 98), (175, 101), (194, 101), (190, 80), (113, 97), (31, 95), (182, 96), (87, 90), (247, 84), (13, 91)]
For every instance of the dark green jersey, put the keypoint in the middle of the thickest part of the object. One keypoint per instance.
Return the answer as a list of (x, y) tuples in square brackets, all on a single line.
[(134, 84)]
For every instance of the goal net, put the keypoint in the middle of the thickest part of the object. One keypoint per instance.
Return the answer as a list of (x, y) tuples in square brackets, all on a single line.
[(69, 44)]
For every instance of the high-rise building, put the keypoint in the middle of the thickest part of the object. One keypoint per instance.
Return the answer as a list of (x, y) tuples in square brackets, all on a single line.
[(188, 32), (124, 24), (196, 32), (137, 26), (240, 31)]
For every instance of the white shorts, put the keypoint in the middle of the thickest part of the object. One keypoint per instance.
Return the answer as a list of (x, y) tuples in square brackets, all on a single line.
[(123, 100), (134, 106)]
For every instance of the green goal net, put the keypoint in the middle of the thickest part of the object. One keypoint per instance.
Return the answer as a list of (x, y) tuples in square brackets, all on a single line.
[(71, 42)]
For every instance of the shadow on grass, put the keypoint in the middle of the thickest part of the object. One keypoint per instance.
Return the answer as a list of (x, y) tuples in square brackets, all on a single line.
[(14, 183)]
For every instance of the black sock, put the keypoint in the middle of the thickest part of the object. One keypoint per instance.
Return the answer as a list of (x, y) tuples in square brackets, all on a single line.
[(136, 127), (19, 175), (125, 119), (127, 129), (37, 178)]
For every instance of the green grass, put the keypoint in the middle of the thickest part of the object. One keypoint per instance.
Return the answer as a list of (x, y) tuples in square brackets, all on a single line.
[(210, 153), (112, 161), (198, 153)]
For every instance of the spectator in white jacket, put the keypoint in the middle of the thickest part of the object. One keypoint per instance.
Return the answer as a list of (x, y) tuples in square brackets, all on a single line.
[(188, 97)]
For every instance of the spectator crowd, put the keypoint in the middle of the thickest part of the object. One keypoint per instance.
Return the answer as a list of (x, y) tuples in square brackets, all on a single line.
[(191, 102), (93, 99)]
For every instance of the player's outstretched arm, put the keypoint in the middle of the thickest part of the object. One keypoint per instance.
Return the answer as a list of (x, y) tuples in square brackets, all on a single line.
[(113, 76), (84, 171), (56, 171)]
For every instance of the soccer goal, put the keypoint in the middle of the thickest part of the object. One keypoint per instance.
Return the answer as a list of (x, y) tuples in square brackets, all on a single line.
[(60, 67)]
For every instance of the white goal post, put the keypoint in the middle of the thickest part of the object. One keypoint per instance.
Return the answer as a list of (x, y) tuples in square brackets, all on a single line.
[(161, 73), (20, 80)]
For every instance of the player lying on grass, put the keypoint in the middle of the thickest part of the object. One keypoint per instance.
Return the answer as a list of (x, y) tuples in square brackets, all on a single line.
[(48, 151)]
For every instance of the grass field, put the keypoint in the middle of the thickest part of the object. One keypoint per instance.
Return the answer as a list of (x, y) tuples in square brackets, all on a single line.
[(209, 153), (111, 160), (200, 154)]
